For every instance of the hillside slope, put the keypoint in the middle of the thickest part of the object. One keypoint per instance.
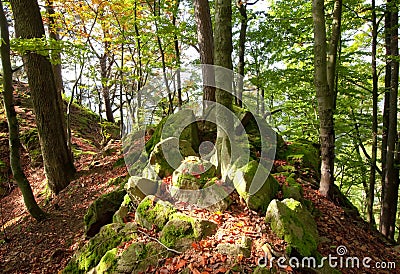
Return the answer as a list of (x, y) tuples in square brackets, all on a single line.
[(27, 246)]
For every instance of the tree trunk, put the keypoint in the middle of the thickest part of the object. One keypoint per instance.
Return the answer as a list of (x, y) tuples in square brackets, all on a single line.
[(57, 160), (206, 46), (53, 34), (386, 106), (223, 79), (242, 45), (325, 96), (372, 176), (105, 66), (390, 187), (14, 142), (178, 57)]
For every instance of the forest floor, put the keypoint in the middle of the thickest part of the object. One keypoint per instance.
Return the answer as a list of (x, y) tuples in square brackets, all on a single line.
[(28, 246)]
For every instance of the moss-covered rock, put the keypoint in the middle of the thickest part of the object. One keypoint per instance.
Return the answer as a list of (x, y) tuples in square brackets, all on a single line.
[(301, 153), (181, 230), (101, 211), (181, 125), (292, 189), (193, 173), (109, 237), (168, 155), (138, 188), (107, 263), (267, 185), (291, 221), (152, 212), (122, 212)]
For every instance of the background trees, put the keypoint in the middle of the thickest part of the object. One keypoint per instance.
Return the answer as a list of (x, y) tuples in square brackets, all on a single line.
[(113, 47)]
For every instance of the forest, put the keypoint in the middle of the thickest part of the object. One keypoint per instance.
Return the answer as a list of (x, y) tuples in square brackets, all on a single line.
[(171, 136)]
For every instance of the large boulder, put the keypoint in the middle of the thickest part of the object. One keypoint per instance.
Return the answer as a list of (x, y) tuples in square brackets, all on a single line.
[(291, 221), (101, 211), (166, 157), (255, 175), (138, 188), (109, 237), (182, 230), (301, 152), (153, 212), (181, 125), (138, 257), (193, 173)]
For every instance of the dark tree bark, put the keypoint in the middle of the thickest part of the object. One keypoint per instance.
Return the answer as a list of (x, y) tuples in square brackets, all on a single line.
[(57, 160), (223, 58), (12, 121), (242, 45), (53, 34), (391, 184), (386, 107), (372, 176), (206, 46)]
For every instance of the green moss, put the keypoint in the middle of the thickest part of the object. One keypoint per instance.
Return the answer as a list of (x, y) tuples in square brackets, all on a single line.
[(109, 237), (292, 222), (156, 137), (304, 154), (150, 212), (102, 210), (175, 230), (108, 262)]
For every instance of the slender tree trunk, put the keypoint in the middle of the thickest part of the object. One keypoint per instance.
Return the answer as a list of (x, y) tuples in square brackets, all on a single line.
[(242, 46), (390, 197), (57, 160), (206, 47), (14, 142), (121, 85), (178, 57), (105, 67), (325, 98), (223, 78), (372, 176), (386, 106)]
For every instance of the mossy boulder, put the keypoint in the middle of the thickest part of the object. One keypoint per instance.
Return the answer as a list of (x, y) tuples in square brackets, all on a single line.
[(181, 230), (193, 173), (181, 125), (301, 153), (291, 221), (257, 189), (122, 212), (167, 156), (138, 188), (101, 211), (107, 263), (292, 189), (153, 212), (259, 133), (90, 255), (139, 256)]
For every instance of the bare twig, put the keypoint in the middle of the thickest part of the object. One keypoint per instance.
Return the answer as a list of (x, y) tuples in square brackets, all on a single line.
[(158, 241)]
